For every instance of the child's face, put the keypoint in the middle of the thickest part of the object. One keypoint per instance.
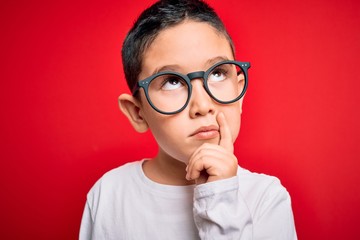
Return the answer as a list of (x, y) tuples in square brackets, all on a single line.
[(188, 47)]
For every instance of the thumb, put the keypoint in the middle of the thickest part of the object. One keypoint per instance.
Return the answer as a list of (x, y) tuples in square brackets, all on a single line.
[(226, 140)]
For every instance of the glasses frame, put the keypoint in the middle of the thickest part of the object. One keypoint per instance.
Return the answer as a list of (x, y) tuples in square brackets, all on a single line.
[(244, 66)]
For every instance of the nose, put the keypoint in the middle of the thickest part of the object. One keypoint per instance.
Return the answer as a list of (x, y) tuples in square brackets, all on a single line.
[(200, 103)]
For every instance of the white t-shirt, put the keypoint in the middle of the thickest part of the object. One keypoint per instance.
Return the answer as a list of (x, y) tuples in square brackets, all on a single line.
[(125, 204)]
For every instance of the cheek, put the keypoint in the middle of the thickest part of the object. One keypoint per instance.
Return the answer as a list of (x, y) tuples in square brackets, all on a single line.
[(233, 119), (170, 135), (235, 124), (173, 144)]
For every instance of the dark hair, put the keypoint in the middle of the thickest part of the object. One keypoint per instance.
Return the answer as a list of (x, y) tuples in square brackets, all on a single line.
[(161, 15)]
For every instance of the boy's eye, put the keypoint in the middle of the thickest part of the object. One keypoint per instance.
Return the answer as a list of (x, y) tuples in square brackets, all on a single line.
[(217, 75), (172, 83)]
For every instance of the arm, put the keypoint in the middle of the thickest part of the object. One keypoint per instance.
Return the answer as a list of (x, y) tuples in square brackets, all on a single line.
[(86, 224), (274, 218), (229, 207), (221, 211)]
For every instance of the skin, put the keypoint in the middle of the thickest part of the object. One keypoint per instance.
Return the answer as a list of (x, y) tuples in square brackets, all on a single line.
[(185, 158)]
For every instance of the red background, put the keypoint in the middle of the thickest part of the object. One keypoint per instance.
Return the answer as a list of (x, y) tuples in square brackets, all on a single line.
[(61, 129)]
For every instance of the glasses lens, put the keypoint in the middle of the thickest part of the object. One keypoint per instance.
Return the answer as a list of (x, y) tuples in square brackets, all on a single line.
[(226, 82), (168, 92)]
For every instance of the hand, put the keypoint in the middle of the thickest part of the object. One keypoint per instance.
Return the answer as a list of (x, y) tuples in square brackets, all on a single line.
[(212, 162)]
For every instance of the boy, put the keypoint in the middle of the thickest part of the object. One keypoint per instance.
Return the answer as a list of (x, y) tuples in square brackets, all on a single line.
[(187, 88)]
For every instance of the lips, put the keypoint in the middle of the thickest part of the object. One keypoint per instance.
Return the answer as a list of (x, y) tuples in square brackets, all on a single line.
[(206, 132)]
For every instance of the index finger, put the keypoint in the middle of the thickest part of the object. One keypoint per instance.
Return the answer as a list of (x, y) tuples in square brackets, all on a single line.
[(226, 140)]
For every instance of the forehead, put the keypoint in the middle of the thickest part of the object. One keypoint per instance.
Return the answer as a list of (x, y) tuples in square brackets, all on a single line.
[(189, 46)]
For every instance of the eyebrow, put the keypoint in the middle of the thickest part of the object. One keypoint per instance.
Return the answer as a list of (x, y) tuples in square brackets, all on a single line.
[(175, 67), (214, 60), (172, 67)]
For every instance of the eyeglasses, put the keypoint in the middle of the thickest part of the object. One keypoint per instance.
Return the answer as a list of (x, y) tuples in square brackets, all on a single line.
[(169, 92)]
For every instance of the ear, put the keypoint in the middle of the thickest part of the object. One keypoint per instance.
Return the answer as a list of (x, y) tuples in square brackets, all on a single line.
[(241, 103), (241, 82), (241, 78), (130, 106)]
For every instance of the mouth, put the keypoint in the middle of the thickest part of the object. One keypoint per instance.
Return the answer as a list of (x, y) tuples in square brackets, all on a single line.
[(206, 132)]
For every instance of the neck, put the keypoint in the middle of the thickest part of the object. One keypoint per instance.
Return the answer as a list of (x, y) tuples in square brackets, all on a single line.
[(166, 170)]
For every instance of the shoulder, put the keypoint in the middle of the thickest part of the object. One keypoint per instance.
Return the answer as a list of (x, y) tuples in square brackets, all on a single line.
[(115, 179), (261, 189), (120, 173), (125, 170), (252, 180)]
